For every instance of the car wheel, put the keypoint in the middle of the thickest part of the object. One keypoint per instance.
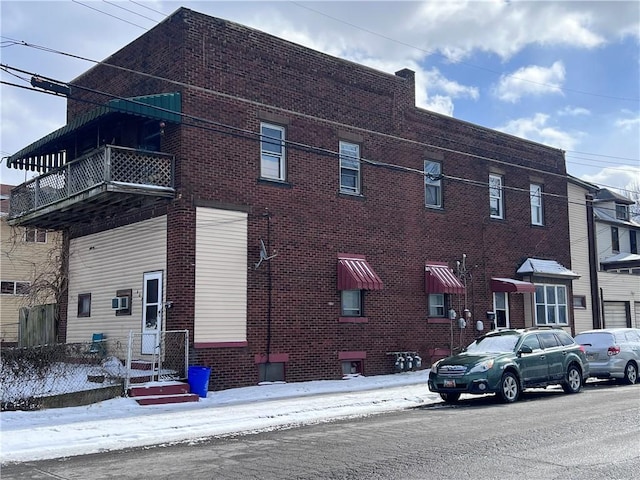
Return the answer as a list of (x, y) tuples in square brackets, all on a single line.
[(450, 397), (573, 380), (630, 373), (509, 388)]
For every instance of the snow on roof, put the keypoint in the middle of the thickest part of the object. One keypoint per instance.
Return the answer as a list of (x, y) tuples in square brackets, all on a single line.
[(545, 268)]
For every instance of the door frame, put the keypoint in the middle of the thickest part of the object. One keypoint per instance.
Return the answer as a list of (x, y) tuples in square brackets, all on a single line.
[(151, 330)]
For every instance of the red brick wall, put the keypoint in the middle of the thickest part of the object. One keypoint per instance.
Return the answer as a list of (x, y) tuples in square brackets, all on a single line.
[(218, 163)]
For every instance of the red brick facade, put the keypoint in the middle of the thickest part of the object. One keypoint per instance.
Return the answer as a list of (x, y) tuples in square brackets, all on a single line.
[(232, 77)]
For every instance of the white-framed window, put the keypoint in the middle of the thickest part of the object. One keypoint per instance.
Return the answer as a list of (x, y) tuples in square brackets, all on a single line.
[(615, 240), (272, 152), (437, 305), (496, 201), (551, 305), (580, 301), (432, 184), (535, 192), (35, 235), (349, 167), (10, 287), (622, 212), (351, 303), (501, 309)]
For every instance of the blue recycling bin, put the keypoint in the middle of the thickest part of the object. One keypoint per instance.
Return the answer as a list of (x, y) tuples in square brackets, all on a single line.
[(198, 378)]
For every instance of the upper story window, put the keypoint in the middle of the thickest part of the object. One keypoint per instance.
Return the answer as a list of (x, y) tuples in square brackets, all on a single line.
[(633, 241), (535, 193), (622, 212), (615, 239), (35, 235), (432, 184), (496, 201), (349, 167), (272, 152), (551, 305)]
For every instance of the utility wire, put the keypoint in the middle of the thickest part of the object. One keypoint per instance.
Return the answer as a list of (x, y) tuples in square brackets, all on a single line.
[(298, 145)]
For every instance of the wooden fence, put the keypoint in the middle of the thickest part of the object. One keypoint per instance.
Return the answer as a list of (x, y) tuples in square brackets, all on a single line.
[(37, 325)]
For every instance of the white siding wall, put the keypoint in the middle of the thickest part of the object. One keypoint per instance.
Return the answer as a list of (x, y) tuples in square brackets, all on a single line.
[(583, 318), (221, 276), (104, 262)]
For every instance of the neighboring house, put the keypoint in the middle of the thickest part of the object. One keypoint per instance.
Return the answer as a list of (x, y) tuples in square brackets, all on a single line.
[(28, 258), (604, 246), (295, 212)]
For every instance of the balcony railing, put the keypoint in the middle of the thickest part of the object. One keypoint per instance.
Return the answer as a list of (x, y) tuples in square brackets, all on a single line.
[(134, 170)]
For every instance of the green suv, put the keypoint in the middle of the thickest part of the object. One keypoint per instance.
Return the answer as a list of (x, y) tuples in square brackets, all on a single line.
[(507, 361)]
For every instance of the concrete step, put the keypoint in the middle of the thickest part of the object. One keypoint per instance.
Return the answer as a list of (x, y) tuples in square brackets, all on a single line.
[(165, 399), (158, 388)]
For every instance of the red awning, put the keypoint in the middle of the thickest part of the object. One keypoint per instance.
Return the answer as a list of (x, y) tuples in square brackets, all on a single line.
[(511, 286), (354, 273), (439, 278)]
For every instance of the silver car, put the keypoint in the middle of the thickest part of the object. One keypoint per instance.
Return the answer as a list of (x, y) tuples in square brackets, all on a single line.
[(612, 353)]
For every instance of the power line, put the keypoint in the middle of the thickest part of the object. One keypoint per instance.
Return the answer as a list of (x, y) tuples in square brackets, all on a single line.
[(306, 147), (109, 15)]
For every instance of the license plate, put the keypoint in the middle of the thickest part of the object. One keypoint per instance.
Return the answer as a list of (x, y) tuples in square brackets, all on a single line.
[(449, 383), (591, 356)]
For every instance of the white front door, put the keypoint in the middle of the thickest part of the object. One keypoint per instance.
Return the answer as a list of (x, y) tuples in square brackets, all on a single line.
[(151, 312), (501, 307)]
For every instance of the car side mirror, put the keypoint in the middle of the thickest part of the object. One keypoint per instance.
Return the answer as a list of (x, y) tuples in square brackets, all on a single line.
[(525, 349)]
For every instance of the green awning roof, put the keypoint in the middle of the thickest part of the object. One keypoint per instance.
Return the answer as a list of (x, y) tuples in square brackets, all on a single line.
[(164, 106)]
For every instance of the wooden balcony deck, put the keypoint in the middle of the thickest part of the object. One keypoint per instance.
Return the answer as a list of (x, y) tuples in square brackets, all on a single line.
[(107, 180)]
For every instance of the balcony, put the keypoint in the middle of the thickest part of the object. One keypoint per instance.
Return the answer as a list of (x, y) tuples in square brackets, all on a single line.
[(105, 182)]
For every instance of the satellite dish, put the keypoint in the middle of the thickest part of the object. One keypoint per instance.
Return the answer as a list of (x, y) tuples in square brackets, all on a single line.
[(263, 254)]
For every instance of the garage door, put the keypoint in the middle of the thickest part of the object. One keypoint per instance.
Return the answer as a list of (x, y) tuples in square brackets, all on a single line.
[(615, 315), (636, 307)]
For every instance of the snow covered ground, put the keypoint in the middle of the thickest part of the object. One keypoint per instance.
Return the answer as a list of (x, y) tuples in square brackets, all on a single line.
[(122, 423)]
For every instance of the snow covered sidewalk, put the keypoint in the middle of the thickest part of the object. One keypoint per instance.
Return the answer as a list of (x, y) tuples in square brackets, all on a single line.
[(122, 423)]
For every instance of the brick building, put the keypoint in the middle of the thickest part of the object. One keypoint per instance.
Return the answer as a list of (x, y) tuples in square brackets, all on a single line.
[(285, 205)]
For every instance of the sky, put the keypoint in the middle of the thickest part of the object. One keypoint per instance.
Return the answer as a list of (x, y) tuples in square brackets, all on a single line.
[(562, 73), (108, 425)]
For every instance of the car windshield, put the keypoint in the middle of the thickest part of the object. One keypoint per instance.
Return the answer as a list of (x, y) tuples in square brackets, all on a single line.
[(599, 339), (494, 344)]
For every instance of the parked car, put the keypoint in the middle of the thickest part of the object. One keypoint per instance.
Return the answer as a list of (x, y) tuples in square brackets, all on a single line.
[(507, 361), (612, 353)]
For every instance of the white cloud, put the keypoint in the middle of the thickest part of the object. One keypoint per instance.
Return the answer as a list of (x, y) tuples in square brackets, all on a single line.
[(531, 80), (574, 111), (629, 123), (625, 178), (536, 129)]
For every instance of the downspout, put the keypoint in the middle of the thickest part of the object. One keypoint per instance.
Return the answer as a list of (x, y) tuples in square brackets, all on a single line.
[(593, 264)]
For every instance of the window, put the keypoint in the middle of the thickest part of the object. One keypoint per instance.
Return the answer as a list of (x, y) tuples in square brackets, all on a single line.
[(436, 305), (35, 235), (551, 305), (352, 367), (351, 303), (579, 301), (548, 340), (349, 167), (14, 288), (495, 196), (532, 342), (84, 305), (272, 152), (432, 184), (536, 204), (622, 212), (633, 241), (615, 239)]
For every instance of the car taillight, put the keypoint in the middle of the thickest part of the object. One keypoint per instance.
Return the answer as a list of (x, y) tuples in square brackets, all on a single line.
[(582, 349), (615, 350)]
